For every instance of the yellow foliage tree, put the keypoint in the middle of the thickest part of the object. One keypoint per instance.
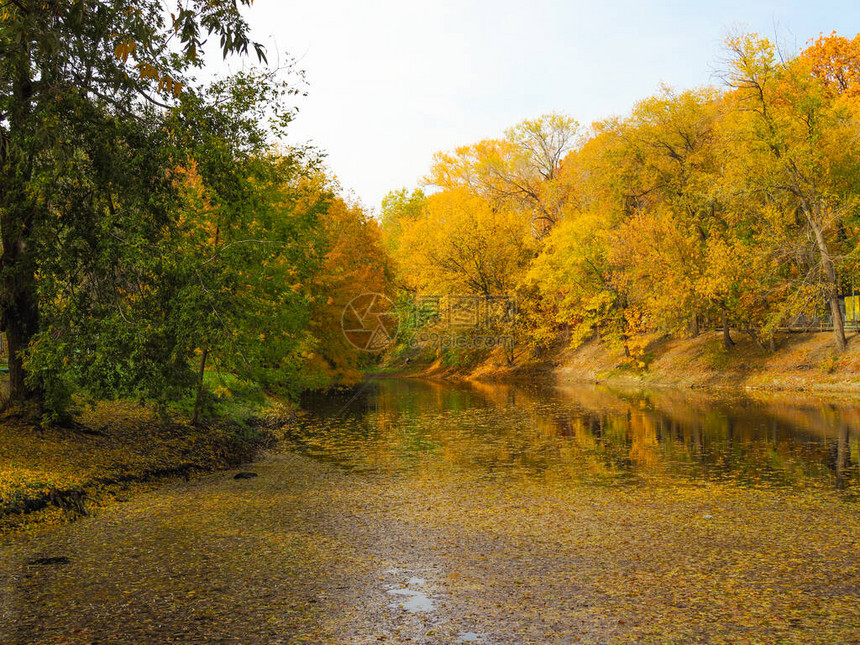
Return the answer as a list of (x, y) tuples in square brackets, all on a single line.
[(519, 172), (463, 245)]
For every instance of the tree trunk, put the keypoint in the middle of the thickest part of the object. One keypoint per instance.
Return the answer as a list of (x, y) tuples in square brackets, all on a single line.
[(21, 317), (19, 308), (198, 400), (752, 334), (694, 325), (836, 314), (727, 336), (831, 278)]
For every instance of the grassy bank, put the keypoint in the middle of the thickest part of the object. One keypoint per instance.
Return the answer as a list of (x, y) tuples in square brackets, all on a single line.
[(801, 362), (54, 474)]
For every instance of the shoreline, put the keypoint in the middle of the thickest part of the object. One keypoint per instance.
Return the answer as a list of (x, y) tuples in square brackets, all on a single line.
[(801, 363), (56, 475)]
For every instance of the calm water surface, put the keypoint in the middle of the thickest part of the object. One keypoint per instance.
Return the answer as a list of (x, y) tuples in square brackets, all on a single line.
[(585, 434)]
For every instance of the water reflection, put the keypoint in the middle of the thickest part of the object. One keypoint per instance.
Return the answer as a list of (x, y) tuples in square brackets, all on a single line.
[(585, 433)]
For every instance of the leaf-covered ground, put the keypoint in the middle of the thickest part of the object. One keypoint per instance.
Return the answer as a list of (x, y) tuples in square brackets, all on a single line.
[(310, 553), (113, 446)]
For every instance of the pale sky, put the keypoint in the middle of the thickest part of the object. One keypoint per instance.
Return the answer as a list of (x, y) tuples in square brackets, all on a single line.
[(391, 82)]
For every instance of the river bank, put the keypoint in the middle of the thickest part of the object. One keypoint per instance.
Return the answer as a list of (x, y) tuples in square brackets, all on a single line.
[(801, 362), (53, 474)]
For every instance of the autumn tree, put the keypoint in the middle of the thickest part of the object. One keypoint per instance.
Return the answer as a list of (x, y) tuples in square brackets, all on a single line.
[(355, 262), (735, 207), (835, 60), (665, 164), (681, 240), (400, 209), (577, 273), (462, 244), (789, 142), (519, 171)]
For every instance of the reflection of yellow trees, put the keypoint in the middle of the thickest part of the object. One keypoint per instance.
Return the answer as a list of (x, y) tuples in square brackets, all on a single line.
[(501, 394), (817, 417), (590, 432), (643, 440)]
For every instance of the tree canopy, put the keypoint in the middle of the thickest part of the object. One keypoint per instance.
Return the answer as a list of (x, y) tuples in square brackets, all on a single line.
[(732, 207)]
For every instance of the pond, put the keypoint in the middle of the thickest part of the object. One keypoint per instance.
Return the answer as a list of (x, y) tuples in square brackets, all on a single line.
[(585, 434)]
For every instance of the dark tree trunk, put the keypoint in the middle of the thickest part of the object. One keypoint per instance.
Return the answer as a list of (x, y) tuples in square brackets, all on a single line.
[(694, 325), (727, 335), (21, 319), (198, 400), (19, 308), (19, 311)]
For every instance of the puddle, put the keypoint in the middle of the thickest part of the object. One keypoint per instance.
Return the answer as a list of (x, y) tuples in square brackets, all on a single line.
[(470, 637), (415, 601), (410, 599)]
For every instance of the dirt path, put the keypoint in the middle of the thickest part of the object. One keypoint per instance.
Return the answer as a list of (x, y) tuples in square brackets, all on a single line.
[(308, 553)]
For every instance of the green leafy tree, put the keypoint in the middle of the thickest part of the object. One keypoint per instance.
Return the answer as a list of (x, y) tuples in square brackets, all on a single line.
[(86, 89), (221, 278)]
